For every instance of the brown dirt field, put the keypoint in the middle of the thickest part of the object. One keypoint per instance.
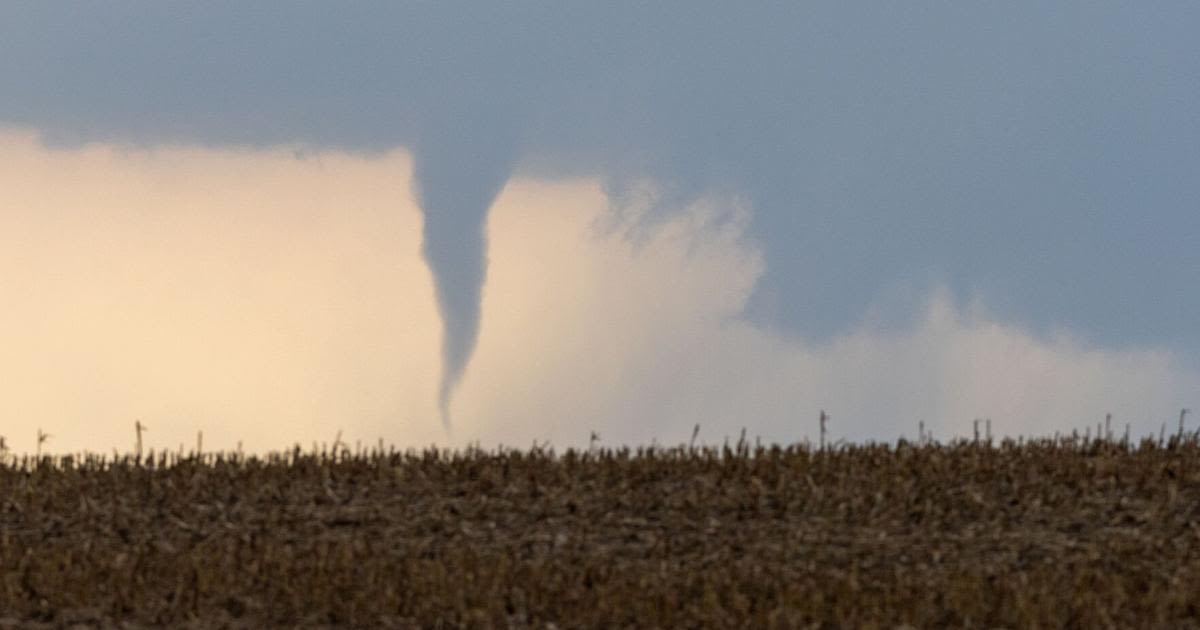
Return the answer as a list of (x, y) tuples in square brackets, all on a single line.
[(1037, 534)]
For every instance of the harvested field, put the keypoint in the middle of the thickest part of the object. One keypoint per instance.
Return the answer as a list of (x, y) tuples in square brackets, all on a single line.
[(1051, 533)]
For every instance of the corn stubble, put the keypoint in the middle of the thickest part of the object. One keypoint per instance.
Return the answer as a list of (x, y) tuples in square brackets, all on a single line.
[(1045, 533)]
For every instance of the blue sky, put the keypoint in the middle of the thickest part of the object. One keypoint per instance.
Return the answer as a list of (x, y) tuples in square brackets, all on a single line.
[(1040, 159)]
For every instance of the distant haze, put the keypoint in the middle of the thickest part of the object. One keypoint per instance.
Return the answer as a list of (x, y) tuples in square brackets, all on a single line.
[(278, 296), (1029, 168)]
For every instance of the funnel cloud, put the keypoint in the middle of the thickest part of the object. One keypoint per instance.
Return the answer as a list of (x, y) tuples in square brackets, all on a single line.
[(458, 174)]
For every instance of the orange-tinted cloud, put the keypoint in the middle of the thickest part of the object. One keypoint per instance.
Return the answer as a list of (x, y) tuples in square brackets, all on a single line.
[(275, 297)]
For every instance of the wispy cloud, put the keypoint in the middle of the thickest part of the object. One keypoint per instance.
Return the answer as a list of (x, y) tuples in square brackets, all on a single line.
[(274, 297), (642, 339)]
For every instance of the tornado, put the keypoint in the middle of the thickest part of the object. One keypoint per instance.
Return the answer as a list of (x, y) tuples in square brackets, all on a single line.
[(458, 173)]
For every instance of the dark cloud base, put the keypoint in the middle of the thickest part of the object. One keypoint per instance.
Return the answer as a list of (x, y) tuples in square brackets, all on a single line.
[(1040, 158)]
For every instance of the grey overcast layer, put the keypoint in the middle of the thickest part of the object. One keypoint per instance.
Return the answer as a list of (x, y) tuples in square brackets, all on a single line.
[(1041, 157)]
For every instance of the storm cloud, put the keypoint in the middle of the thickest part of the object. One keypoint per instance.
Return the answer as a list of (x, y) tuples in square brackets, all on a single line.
[(1038, 158)]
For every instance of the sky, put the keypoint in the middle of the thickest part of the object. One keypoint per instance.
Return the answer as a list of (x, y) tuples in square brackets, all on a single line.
[(450, 222)]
